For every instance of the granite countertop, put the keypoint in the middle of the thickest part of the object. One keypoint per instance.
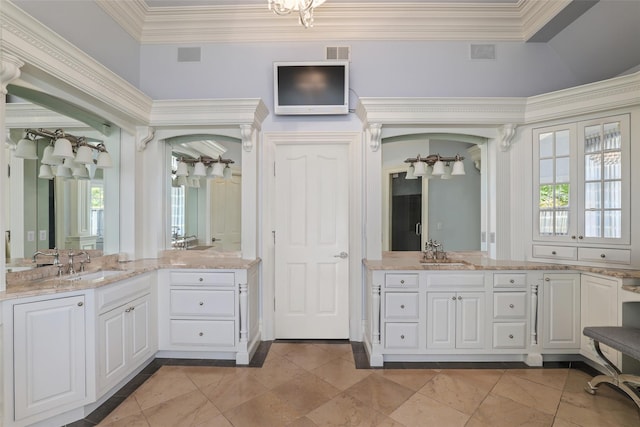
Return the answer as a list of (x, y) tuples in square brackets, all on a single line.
[(479, 261), (24, 285)]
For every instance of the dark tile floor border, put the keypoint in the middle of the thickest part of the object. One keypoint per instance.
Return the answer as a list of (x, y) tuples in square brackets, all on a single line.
[(359, 355)]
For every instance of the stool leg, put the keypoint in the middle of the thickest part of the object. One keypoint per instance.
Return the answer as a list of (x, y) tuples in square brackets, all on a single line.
[(592, 385)]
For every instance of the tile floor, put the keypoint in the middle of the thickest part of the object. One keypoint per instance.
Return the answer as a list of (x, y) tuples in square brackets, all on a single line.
[(313, 384)]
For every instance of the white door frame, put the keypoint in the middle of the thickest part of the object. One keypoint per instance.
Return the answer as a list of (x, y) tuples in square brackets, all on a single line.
[(270, 140)]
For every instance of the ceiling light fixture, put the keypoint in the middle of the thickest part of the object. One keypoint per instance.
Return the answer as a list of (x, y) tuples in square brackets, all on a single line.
[(303, 7), (437, 162)]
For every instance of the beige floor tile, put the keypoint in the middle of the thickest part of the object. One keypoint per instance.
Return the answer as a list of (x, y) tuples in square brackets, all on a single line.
[(137, 420), (345, 410), (421, 410), (168, 382), (276, 371), (306, 392), (497, 411), (125, 409), (187, 410), (597, 417), (302, 422), (341, 373), (528, 393), (336, 350), (266, 410), (233, 390), (379, 393), (308, 356), (206, 375), (462, 390), (554, 378), (559, 422), (414, 379), (219, 421), (283, 348)]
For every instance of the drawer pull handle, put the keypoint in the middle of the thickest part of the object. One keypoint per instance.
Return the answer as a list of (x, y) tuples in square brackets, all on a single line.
[(402, 282), (201, 303), (80, 304), (602, 256), (200, 279), (511, 305), (201, 333), (512, 281), (510, 336), (554, 253), (401, 337), (402, 306)]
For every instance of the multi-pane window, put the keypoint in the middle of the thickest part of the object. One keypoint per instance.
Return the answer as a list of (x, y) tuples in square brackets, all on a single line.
[(603, 181), (554, 184)]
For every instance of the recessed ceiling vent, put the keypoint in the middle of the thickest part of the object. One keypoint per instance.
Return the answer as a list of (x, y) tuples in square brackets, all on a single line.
[(188, 54), (483, 51), (338, 53)]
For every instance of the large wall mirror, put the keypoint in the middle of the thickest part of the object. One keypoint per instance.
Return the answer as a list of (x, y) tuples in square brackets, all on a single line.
[(47, 207), (446, 206), (205, 192)]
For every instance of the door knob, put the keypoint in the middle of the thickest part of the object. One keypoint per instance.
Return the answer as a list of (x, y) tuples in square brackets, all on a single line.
[(342, 255)]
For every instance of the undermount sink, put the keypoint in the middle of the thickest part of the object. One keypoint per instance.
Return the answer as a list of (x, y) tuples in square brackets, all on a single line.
[(448, 262), (93, 275)]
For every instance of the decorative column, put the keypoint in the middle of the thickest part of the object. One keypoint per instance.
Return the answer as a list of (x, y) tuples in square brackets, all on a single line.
[(534, 314), (244, 322), (9, 71), (375, 313), (249, 191)]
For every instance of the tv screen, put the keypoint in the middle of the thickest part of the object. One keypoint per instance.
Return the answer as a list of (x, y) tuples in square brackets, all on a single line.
[(311, 87)]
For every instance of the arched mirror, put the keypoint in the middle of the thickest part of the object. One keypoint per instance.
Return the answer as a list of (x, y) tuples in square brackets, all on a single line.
[(423, 200), (47, 207), (205, 192)]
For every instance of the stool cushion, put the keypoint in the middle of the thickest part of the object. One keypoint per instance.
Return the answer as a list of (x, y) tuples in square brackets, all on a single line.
[(621, 338)]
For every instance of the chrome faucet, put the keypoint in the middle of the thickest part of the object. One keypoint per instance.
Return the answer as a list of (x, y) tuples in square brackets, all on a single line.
[(433, 250), (55, 254), (71, 270), (86, 260)]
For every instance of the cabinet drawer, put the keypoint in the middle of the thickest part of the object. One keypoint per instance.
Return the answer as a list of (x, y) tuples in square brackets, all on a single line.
[(114, 295), (509, 305), (451, 279), (197, 302), (202, 332), (401, 305), (617, 256), (401, 335), (509, 335), (401, 280), (517, 280), (202, 278), (555, 252)]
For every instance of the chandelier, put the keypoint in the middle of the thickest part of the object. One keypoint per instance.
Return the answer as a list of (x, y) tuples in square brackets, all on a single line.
[(303, 7)]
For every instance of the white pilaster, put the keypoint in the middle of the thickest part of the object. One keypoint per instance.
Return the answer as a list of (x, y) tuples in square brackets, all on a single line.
[(250, 153), (372, 195)]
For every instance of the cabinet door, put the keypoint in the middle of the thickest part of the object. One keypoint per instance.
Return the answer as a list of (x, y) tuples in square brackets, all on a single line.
[(598, 307), (141, 336), (49, 356), (561, 311), (470, 320), (441, 319), (112, 346)]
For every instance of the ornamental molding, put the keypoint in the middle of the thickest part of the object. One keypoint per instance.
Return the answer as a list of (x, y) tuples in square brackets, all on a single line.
[(497, 21), (144, 135), (27, 115), (9, 71), (68, 69), (209, 112)]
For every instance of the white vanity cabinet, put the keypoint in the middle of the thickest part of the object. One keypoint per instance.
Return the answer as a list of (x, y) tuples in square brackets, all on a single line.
[(561, 311), (510, 304), (126, 329), (455, 320), (48, 358), (208, 313), (598, 307)]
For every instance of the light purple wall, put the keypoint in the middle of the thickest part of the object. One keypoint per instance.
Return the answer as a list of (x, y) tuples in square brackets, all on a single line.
[(87, 26)]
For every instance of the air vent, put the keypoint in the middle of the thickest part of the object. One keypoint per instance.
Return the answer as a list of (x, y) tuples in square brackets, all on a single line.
[(338, 53), (483, 51), (188, 54)]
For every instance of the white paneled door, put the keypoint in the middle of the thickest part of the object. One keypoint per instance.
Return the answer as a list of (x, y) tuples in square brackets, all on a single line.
[(225, 213), (312, 241)]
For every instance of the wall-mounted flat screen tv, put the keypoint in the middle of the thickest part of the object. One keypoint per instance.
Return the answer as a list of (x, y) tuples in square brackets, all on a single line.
[(311, 87)]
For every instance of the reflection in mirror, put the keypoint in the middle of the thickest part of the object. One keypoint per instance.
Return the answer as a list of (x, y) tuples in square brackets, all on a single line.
[(444, 207), (49, 207), (205, 192)]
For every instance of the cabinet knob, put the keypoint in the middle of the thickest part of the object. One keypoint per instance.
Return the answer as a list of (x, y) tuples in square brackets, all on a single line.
[(200, 279), (402, 306), (602, 256), (133, 308), (510, 336), (201, 333), (80, 304), (573, 237), (128, 310), (401, 337), (580, 237), (200, 303), (554, 253), (453, 298), (402, 282), (511, 305), (547, 279), (512, 281), (459, 298)]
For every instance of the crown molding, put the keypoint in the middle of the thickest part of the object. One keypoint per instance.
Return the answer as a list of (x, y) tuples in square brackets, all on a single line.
[(27, 115), (335, 21), (65, 70), (208, 112)]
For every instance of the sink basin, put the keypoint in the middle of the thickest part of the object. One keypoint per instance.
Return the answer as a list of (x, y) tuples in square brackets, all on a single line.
[(446, 264), (93, 276), (10, 269)]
